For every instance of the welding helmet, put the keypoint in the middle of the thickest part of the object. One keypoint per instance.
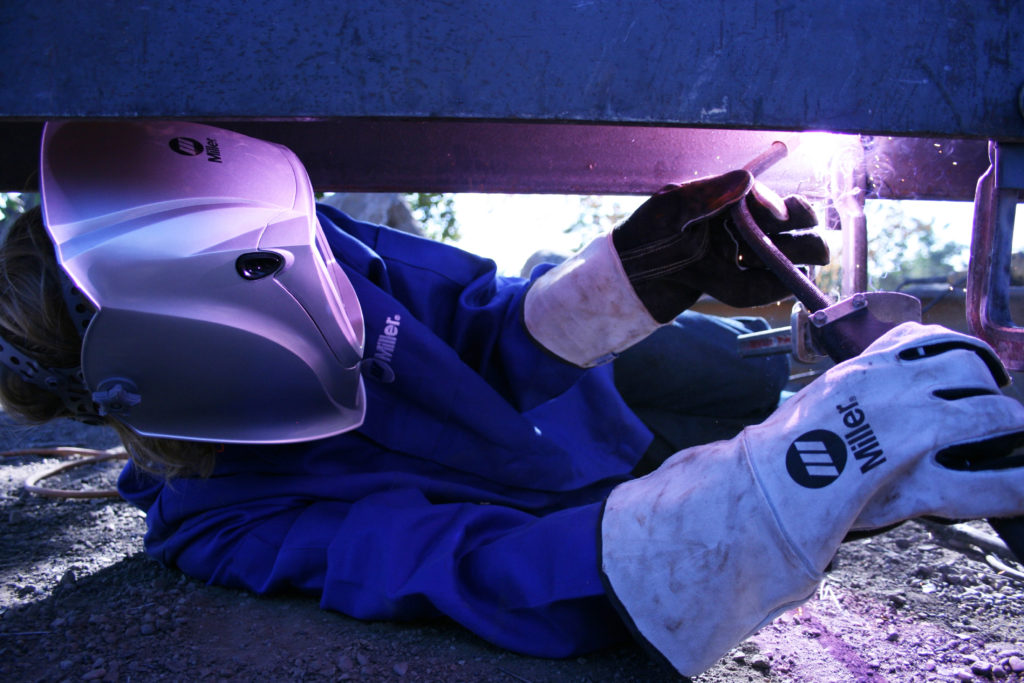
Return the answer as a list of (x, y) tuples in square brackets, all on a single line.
[(220, 312)]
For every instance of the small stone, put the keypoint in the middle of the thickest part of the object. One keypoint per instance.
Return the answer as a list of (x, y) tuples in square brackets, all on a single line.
[(401, 668), (892, 636), (1016, 664), (760, 663), (929, 665), (362, 659), (963, 675), (147, 629), (981, 668), (345, 663), (93, 675)]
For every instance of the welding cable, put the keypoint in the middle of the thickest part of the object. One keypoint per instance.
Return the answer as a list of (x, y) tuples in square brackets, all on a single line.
[(92, 456)]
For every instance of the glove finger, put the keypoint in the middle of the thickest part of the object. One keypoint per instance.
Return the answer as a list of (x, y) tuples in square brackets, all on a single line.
[(916, 342), (763, 198), (979, 479), (774, 214), (973, 478), (805, 247), (954, 373), (801, 214), (997, 453)]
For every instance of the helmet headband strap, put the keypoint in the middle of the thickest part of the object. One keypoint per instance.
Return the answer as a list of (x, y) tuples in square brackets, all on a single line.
[(68, 384)]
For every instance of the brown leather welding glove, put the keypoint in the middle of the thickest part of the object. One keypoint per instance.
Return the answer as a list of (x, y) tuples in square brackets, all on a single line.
[(681, 243)]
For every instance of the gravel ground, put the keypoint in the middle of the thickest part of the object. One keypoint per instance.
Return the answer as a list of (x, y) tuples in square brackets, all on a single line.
[(79, 601)]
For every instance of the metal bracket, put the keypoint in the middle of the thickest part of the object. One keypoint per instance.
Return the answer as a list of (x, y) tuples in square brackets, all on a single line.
[(846, 328), (988, 275), (840, 331)]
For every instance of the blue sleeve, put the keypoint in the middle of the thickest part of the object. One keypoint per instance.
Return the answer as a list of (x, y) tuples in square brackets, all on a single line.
[(460, 297), (522, 582)]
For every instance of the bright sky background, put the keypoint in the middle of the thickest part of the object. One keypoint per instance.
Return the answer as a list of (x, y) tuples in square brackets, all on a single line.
[(509, 228)]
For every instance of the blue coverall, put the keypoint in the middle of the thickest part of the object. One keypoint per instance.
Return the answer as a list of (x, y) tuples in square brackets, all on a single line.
[(473, 489)]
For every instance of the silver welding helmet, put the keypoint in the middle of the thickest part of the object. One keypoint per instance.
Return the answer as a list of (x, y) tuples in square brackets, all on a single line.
[(221, 314)]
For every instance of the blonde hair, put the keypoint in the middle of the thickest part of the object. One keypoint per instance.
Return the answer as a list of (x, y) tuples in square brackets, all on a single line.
[(34, 317)]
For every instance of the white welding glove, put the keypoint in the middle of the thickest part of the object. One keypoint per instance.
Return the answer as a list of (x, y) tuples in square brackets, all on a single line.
[(724, 537)]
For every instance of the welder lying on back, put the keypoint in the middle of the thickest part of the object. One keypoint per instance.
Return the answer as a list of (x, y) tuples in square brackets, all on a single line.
[(381, 421)]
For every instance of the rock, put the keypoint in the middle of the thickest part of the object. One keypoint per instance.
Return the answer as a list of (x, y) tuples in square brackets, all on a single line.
[(760, 663), (1016, 664), (981, 668)]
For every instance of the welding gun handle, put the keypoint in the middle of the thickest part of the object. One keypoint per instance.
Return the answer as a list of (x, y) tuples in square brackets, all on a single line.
[(792, 277)]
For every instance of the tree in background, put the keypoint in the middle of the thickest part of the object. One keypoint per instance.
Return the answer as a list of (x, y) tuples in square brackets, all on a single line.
[(12, 205), (906, 248), (436, 213), (901, 248), (598, 215)]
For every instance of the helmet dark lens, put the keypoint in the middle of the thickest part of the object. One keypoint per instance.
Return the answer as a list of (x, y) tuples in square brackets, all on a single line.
[(258, 264)]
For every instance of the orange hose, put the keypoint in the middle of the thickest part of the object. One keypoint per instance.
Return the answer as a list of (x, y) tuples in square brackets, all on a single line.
[(92, 456)]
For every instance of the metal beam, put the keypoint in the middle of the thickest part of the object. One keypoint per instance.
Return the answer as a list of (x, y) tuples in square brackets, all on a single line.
[(946, 68), (472, 156)]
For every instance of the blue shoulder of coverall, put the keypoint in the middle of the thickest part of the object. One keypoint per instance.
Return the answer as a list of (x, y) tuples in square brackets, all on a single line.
[(461, 299)]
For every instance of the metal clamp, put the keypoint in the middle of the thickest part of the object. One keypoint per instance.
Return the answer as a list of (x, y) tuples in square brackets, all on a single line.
[(988, 275)]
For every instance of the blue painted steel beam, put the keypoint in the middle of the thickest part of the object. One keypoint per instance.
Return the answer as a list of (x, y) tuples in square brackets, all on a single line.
[(912, 67)]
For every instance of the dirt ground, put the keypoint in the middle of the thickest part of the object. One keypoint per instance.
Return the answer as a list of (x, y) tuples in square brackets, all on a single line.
[(80, 601)]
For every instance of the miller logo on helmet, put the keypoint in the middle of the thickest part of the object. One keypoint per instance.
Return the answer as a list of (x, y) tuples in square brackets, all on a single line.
[(189, 147)]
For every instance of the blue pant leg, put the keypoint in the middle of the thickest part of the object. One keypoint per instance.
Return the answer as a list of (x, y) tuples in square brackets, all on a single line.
[(690, 386)]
